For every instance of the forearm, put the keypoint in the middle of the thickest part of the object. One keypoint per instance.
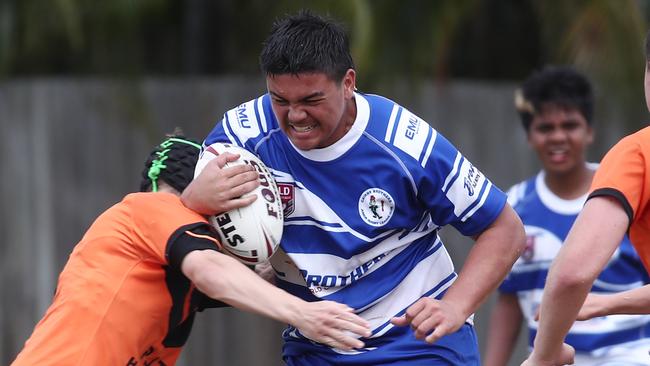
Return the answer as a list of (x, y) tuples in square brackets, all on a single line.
[(224, 278), (505, 323), (636, 301), (489, 261), (558, 311)]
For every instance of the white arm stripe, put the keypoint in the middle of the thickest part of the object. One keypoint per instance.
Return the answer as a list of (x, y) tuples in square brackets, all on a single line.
[(260, 112), (486, 193), (465, 189), (411, 134), (434, 135), (391, 123), (452, 174), (227, 128)]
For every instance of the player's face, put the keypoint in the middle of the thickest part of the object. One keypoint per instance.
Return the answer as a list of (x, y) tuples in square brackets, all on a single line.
[(313, 110), (560, 137)]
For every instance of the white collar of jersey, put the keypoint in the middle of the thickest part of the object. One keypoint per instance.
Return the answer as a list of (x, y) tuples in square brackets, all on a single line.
[(558, 204), (341, 146)]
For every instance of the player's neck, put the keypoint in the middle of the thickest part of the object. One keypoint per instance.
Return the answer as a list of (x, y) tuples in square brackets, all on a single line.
[(570, 185)]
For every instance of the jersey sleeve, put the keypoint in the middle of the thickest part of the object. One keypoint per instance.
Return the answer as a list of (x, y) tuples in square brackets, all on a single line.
[(457, 192), (244, 125), (187, 239), (623, 175)]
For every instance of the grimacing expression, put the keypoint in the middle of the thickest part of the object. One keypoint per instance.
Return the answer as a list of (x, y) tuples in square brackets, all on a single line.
[(560, 137), (313, 110)]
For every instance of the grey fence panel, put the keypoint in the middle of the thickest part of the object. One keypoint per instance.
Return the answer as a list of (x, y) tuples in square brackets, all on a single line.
[(72, 148)]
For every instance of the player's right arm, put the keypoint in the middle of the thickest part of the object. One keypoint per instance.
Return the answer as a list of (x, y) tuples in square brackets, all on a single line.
[(224, 278), (217, 189), (505, 323), (635, 301)]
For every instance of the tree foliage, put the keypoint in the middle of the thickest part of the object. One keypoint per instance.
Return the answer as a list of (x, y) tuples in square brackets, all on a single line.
[(416, 39)]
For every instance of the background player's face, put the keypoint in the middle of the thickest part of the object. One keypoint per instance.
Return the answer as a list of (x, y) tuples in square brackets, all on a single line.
[(560, 137), (313, 110)]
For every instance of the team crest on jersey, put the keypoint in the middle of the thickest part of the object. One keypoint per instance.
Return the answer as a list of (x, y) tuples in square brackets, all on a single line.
[(287, 196), (529, 249), (376, 206)]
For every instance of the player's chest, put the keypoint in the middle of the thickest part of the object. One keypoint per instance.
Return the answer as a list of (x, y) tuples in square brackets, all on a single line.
[(357, 195)]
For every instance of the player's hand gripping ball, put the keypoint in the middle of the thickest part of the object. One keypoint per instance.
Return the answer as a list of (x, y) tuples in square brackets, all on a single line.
[(251, 233)]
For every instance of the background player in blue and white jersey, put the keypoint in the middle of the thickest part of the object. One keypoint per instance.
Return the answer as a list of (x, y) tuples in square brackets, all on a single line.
[(366, 185), (556, 108)]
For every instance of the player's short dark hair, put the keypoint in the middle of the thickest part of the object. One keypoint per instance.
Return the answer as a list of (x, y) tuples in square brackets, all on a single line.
[(172, 161), (562, 86), (306, 42)]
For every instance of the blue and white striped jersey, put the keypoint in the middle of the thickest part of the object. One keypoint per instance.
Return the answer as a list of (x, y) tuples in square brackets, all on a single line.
[(547, 220), (362, 215)]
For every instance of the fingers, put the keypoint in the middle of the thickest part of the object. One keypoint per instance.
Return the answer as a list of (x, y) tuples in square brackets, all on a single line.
[(430, 319), (342, 342), (354, 324), (234, 203), (222, 159), (439, 331), (340, 328), (400, 321)]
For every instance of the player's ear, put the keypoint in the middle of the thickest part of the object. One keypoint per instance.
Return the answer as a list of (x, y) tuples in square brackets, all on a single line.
[(349, 83)]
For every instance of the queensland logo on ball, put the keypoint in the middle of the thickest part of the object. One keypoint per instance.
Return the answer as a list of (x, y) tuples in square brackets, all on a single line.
[(376, 206)]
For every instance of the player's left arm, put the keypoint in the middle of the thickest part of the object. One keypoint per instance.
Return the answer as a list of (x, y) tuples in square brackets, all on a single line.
[(496, 249), (223, 278), (635, 301)]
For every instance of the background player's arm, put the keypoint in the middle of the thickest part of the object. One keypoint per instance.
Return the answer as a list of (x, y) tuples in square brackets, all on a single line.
[(595, 235), (224, 278), (489, 261), (635, 301), (505, 324)]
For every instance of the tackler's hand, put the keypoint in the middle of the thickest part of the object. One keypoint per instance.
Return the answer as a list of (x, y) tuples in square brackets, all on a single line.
[(333, 324)]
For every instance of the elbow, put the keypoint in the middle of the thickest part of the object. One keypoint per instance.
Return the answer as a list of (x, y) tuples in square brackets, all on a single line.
[(210, 284), (517, 233), (568, 279)]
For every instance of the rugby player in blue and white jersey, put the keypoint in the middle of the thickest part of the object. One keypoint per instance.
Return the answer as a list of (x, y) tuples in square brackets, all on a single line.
[(366, 186), (556, 107)]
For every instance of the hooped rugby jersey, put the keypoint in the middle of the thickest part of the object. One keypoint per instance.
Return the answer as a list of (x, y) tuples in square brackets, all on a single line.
[(362, 215), (121, 298), (547, 220)]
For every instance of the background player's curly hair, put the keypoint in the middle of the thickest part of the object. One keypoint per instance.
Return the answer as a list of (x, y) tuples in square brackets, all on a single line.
[(558, 85), (306, 42), (172, 161)]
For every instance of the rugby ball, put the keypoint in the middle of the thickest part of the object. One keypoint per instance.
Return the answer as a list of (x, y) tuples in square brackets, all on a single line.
[(251, 233)]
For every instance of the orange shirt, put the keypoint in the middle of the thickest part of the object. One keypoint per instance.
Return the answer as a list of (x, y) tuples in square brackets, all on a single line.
[(121, 298), (624, 174)]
